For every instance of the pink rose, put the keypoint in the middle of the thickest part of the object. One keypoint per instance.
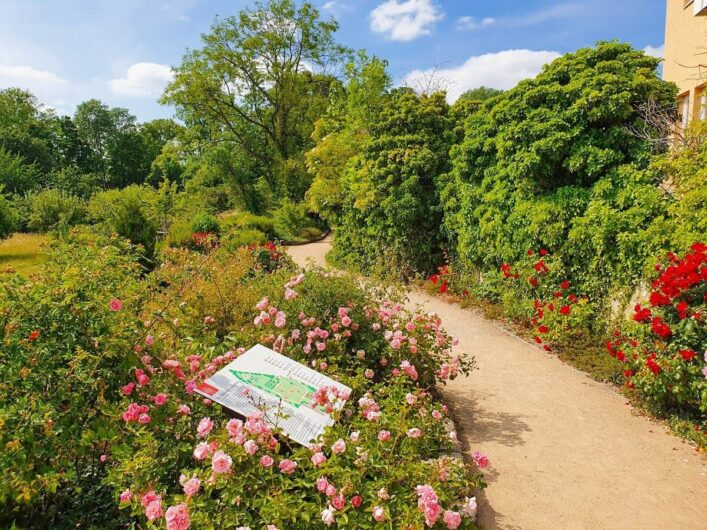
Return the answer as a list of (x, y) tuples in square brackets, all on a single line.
[(266, 461), (177, 517), (221, 462), (384, 436), (263, 304), (149, 340), (414, 433), (250, 447), (154, 510), (452, 519), (354, 436), (144, 419), (322, 484), (330, 490), (126, 496), (191, 486), (204, 427), (338, 502), (184, 409), (379, 514), (287, 466), (318, 458), (480, 459), (160, 399), (128, 389), (115, 304), (339, 446)]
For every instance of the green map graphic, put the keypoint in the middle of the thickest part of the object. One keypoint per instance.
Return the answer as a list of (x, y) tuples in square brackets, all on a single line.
[(295, 393)]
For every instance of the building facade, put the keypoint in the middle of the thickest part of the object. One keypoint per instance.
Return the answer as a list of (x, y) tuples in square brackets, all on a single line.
[(686, 56)]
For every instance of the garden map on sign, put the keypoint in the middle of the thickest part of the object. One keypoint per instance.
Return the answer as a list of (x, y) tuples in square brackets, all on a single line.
[(264, 380)]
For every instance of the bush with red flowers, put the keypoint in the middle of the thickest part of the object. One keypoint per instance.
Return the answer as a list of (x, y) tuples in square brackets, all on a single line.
[(663, 347), (537, 290)]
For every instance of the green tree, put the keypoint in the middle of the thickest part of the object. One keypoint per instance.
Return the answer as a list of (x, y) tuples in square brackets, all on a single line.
[(481, 93), (8, 216), (392, 215), (113, 140), (258, 84), (341, 133)]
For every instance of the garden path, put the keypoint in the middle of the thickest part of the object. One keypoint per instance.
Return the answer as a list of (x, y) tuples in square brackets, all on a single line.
[(566, 451)]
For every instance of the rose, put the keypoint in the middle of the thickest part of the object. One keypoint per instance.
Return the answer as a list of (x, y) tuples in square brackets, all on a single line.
[(115, 304), (204, 427), (339, 446), (378, 514), (266, 461), (221, 462), (287, 466), (452, 519), (177, 517), (384, 436), (318, 458)]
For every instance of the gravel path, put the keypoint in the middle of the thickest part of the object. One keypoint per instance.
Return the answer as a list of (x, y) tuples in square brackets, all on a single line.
[(566, 452)]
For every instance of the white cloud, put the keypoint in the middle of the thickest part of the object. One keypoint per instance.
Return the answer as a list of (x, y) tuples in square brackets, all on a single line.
[(405, 20), (658, 52), (496, 70), (337, 7), (27, 77), (142, 80), (470, 23)]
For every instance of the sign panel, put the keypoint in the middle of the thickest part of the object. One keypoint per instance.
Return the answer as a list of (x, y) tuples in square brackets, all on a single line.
[(264, 380)]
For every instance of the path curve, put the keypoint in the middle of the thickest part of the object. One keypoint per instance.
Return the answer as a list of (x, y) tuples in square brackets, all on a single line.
[(566, 451)]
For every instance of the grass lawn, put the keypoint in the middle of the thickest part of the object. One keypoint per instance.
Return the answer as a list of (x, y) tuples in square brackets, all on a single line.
[(23, 252)]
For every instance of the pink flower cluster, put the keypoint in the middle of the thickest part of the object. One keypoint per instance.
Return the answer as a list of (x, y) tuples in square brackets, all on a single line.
[(369, 408), (137, 413)]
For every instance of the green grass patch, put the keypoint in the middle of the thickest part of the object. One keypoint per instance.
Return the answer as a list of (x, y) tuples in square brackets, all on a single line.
[(23, 252)]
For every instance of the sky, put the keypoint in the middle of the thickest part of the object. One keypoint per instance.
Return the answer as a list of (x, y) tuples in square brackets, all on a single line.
[(122, 51)]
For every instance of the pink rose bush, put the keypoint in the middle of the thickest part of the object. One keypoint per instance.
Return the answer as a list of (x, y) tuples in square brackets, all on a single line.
[(391, 427)]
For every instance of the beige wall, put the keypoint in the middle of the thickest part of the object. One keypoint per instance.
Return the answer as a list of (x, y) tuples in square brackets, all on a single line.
[(685, 51)]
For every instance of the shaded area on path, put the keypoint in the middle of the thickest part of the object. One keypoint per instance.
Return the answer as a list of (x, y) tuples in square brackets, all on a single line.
[(565, 451)]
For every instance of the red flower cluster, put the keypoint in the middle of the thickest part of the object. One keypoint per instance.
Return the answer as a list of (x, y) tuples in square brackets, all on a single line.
[(680, 276), (441, 278), (205, 240)]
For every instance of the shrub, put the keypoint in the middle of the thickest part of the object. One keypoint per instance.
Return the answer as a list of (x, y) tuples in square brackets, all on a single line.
[(131, 213), (206, 223), (50, 209), (244, 237), (551, 163), (290, 219), (179, 234), (64, 350), (391, 217), (8, 216), (387, 440), (663, 348), (262, 223)]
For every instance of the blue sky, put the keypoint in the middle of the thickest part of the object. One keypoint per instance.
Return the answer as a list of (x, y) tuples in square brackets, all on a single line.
[(120, 50)]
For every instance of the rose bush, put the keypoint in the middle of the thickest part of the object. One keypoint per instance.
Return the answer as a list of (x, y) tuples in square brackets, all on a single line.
[(663, 348), (176, 454)]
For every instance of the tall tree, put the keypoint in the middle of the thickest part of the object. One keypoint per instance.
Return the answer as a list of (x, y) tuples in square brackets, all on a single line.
[(249, 82), (105, 130)]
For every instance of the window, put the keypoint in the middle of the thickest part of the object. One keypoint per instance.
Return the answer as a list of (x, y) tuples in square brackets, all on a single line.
[(701, 103), (684, 110)]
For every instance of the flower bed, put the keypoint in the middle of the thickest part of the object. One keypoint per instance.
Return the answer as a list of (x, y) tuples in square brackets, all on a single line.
[(383, 463)]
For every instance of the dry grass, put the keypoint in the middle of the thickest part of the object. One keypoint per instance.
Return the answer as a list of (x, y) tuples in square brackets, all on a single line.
[(23, 252)]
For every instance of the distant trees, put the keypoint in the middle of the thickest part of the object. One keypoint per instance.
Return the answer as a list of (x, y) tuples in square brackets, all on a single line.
[(258, 84)]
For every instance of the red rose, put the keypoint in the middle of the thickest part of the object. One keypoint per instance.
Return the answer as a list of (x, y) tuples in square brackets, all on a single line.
[(356, 501), (565, 310), (443, 288), (688, 355), (660, 328), (543, 252), (565, 285), (652, 365), (681, 308), (642, 314), (433, 279), (538, 339), (530, 252), (34, 335), (534, 282), (543, 329)]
